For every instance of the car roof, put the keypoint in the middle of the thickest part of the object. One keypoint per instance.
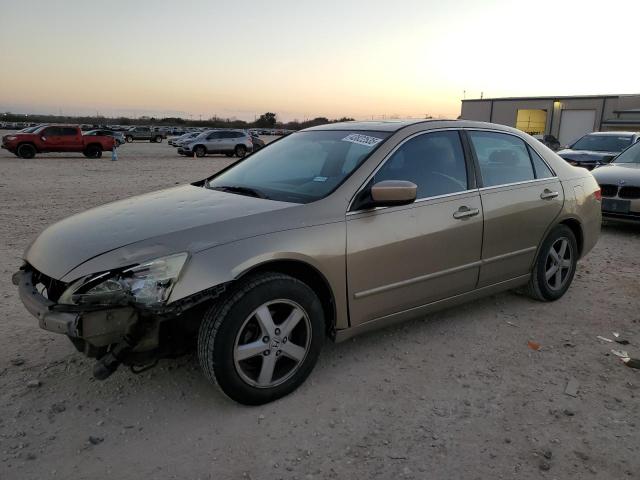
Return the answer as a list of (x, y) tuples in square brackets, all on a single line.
[(373, 125), (395, 125)]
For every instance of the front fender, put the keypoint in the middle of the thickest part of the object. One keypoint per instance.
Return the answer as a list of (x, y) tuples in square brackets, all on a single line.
[(322, 247)]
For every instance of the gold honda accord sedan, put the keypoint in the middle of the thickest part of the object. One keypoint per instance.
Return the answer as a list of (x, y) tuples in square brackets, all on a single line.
[(329, 232)]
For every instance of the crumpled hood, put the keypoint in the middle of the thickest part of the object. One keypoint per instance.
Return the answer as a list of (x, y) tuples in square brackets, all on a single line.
[(147, 220), (614, 172), (586, 155)]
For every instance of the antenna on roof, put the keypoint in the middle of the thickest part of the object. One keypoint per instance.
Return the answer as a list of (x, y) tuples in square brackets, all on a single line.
[(481, 95)]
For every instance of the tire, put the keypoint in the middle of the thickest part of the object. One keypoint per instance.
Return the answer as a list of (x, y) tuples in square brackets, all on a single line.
[(129, 139), (554, 270), (158, 139), (200, 151), (93, 151), (235, 322), (26, 151), (240, 151)]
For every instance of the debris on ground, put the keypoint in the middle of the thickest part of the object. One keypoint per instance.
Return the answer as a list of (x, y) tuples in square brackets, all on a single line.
[(632, 362), (621, 341), (620, 353), (604, 339), (95, 440), (511, 324), (572, 387), (34, 383), (626, 359), (533, 345), (16, 362)]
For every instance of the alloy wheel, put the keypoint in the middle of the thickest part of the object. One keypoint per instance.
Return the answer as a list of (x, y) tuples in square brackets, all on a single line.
[(558, 264), (272, 343)]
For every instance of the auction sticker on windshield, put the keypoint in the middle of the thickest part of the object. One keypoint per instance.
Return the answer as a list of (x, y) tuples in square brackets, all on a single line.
[(365, 140)]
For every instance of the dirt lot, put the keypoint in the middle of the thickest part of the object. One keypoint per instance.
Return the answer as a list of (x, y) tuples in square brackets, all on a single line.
[(457, 395)]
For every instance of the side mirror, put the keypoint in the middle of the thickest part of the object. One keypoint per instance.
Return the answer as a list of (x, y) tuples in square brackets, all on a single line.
[(390, 193)]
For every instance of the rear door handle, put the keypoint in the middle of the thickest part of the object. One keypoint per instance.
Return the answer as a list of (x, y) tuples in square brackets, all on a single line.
[(465, 212), (548, 194)]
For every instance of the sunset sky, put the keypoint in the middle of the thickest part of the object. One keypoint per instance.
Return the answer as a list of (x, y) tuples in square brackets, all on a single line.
[(303, 59)]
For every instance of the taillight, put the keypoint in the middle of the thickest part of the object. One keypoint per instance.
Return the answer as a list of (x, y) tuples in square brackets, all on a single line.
[(598, 194)]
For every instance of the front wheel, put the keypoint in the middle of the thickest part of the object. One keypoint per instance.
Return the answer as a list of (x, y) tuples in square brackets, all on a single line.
[(555, 266), (200, 151), (263, 339), (157, 139), (240, 151), (26, 151), (129, 138)]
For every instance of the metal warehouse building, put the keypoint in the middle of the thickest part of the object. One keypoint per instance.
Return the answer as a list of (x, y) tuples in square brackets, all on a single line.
[(566, 118)]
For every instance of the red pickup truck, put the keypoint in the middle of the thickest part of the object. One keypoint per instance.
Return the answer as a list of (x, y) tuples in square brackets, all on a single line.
[(56, 138)]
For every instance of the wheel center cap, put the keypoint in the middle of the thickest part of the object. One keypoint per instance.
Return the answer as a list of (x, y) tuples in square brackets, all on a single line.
[(275, 342)]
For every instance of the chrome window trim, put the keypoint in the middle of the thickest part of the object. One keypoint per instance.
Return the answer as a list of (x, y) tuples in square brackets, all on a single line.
[(457, 129), (386, 159), (514, 184)]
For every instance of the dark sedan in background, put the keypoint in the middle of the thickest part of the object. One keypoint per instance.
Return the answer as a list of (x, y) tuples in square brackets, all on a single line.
[(118, 136), (598, 148), (620, 184)]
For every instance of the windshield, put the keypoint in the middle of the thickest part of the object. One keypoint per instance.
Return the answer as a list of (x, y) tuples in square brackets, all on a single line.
[(630, 155), (300, 168), (602, 143)]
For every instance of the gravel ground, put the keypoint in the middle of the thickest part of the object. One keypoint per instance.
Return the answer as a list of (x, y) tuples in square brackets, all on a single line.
[(456, 395)]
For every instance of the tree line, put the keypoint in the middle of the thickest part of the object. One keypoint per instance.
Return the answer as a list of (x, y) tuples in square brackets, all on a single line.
[(266, 120)]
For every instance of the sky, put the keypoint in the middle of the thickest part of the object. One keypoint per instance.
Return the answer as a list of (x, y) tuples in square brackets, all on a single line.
[(302, 59)]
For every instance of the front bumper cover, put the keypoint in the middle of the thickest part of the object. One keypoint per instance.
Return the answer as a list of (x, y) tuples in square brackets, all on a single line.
[(67, 323)]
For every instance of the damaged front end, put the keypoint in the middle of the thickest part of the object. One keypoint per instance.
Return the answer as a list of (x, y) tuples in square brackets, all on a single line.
[(118, 317)]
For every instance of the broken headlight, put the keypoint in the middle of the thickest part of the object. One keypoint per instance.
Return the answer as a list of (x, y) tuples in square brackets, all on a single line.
[(148, 284)]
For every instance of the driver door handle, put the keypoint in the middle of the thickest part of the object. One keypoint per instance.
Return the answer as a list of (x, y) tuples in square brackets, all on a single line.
[(548, 194), (465, 212)]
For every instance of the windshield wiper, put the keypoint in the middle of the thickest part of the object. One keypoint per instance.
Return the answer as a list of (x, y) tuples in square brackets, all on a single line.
[(251, 192)]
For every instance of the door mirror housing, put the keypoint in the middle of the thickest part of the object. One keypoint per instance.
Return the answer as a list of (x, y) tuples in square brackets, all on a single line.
[(389, 193)]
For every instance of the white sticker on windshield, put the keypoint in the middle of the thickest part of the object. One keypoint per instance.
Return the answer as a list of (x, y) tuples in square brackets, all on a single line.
[(320, 179), (365, 140)]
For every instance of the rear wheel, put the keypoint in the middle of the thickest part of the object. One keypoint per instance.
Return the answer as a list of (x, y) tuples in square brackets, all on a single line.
[(129, 138), (200, 151), (26, 151), (240, 151), (262, 341), (93, 151), (555, 266), (158, 139)]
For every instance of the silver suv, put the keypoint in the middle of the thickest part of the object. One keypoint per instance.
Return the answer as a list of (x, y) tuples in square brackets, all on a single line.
[(229, 142)]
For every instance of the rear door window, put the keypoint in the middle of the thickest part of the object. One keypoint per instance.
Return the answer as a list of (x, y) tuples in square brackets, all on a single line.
[(68, 131), (51, 132), (541, 168), (502, 158)]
